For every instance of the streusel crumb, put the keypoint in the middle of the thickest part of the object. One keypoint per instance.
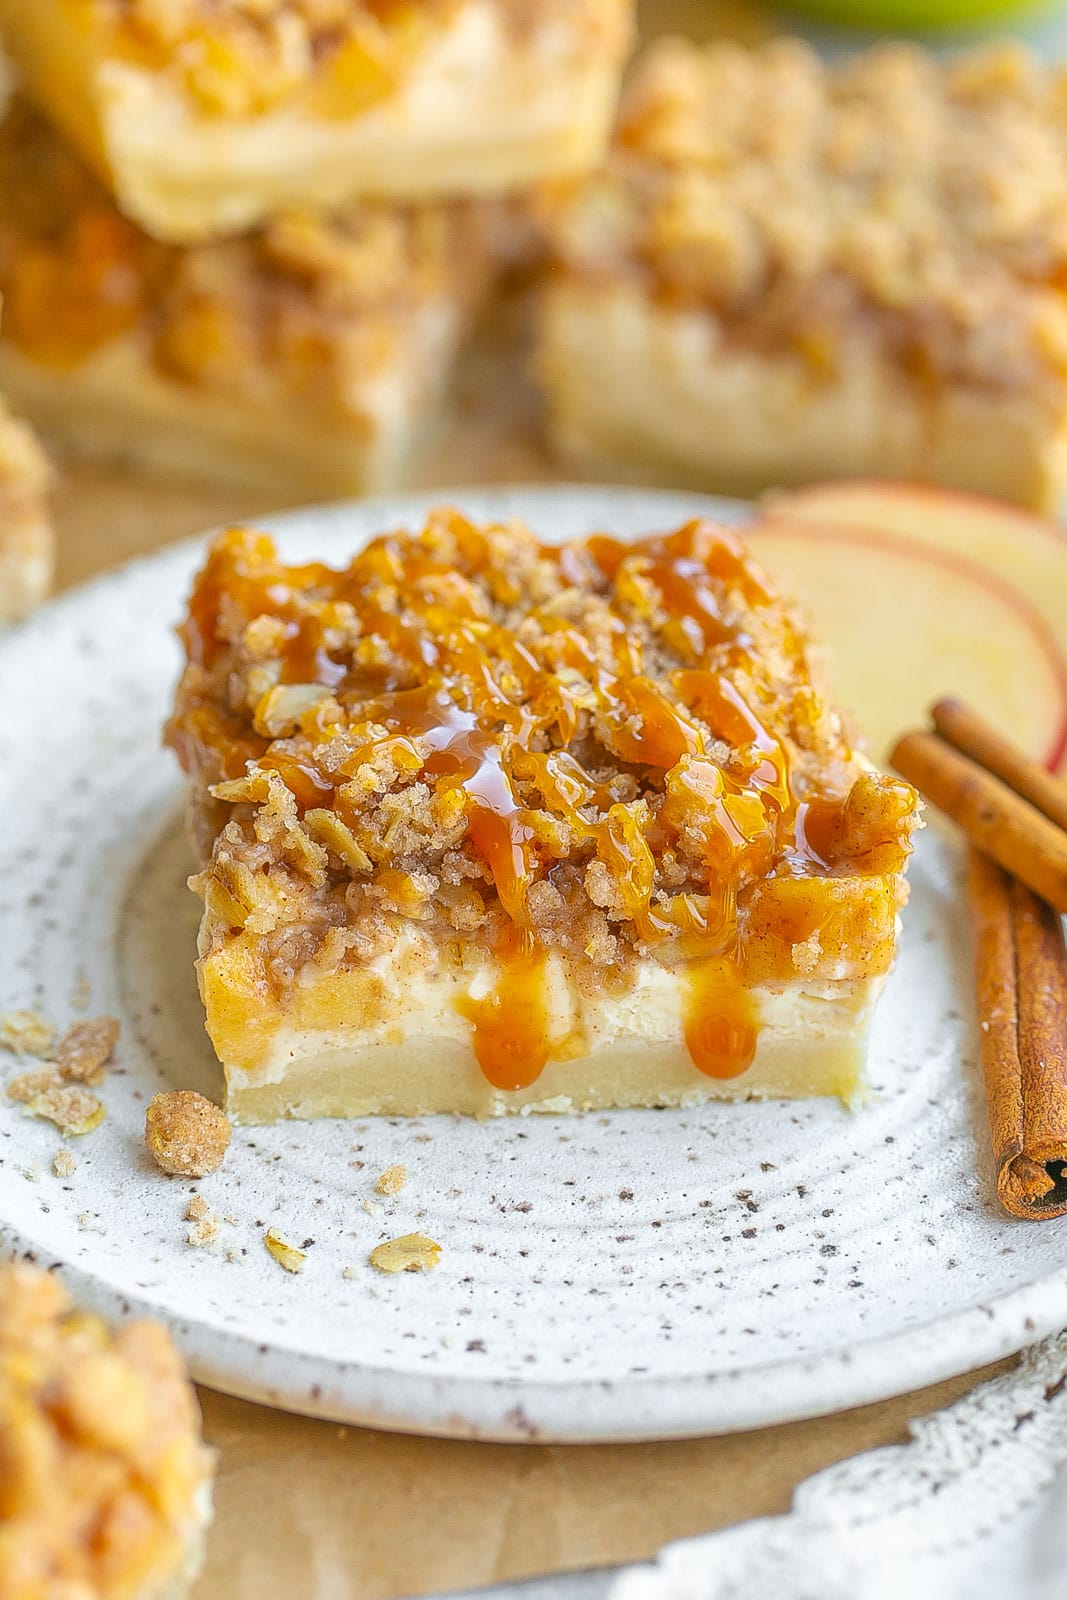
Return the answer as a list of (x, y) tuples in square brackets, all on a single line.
[(102, 1470), (74, 1110), (392, 1180), (186, 1134), (26, 1033), (64, 1164), (298, 311), (414, 1252), (26, 1086), (86, 1048), (204, 1224)]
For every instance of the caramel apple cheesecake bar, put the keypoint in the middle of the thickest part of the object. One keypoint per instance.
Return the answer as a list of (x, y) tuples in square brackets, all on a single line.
[(206, 117), (307, 357), (27, 542), (791, 270), (105, 1484), (489, 825)]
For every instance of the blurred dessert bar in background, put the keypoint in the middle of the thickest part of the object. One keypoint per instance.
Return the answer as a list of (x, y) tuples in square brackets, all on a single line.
[(208, 116), (791, 270), (27, 544), (304, 357), (105, 1483)]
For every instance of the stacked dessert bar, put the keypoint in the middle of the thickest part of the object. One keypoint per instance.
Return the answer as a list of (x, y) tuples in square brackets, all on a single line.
[(246, 238), (791, 269)]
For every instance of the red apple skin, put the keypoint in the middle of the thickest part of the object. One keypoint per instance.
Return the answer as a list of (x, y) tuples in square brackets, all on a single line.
[(911, 514)]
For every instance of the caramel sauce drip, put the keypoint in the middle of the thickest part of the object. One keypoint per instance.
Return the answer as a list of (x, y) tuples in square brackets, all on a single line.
[(721, 1025), (509, 1027), (521, 723)]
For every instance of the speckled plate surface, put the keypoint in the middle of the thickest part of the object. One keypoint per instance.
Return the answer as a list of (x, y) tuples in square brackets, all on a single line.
[(639, 1275)]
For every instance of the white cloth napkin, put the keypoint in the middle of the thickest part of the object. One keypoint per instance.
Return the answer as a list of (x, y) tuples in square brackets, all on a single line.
[(974, 1506)]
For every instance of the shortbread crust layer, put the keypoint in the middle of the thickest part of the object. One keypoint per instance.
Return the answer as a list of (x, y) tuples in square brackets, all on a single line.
[(448, 97)]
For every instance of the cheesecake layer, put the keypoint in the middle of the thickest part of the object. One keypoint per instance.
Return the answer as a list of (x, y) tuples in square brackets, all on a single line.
[(452, 98)]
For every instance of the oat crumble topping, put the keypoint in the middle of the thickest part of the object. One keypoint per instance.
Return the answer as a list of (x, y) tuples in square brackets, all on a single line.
[(186, 1134), (298, 312), (921, 200), (605, 750), (26, 1086), (101, 1462)]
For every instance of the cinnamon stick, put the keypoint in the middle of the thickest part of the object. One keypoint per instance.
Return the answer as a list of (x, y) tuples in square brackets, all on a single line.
[(971, 734), (996, 819), (1021, 976)]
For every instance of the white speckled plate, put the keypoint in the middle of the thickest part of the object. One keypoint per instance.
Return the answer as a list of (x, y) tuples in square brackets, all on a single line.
[(645, 1274)]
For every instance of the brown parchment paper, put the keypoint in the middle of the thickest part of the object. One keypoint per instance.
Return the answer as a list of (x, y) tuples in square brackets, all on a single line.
[(311, 1511)]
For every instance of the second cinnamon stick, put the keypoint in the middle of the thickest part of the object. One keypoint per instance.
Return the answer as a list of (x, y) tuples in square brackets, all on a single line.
[(993, 816), (1021, 969)]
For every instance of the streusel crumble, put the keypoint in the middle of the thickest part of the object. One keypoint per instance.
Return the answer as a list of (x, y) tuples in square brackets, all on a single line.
[(517, 766)]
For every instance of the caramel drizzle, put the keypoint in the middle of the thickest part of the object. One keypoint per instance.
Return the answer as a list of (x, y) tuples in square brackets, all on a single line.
[(476, 710)]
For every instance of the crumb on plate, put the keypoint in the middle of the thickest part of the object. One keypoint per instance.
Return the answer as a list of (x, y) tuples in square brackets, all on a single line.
[(413, 1252), (63, 1164), (26, 1086), (392, 1180), (286, 1255), (86, 1048), (203, 1223), (74, 1110), (26, 1033), (186, 1134)]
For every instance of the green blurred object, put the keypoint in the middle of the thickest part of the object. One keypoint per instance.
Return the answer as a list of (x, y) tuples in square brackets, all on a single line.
[(915, 13)]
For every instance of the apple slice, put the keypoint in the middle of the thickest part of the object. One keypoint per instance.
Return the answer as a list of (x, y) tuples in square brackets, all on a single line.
[(907, 622)]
